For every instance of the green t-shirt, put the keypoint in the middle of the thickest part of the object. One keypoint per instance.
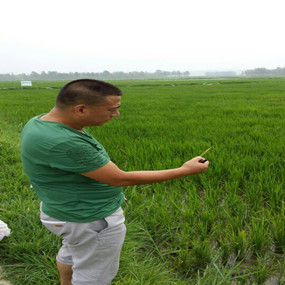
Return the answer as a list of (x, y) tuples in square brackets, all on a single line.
[(53, 156)]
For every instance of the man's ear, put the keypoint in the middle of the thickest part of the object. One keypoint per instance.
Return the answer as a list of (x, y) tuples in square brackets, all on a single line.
[(80, 110)]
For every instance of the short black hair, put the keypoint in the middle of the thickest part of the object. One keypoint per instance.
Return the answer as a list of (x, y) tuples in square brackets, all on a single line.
[(85, 91)]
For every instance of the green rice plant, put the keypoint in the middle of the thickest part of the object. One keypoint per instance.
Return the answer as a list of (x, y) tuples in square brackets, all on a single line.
[(226, 251), (262, 272), (258, 231), (140, 264), (205, 223), (217, 275), (193, 258), (239, 243), (276, 197), (278, 232)]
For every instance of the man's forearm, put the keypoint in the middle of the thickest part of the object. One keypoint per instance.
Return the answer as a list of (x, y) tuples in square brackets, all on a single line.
[(147, 177)]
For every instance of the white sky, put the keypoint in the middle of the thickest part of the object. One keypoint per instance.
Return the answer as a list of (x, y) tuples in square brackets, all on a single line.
[(128, 35)]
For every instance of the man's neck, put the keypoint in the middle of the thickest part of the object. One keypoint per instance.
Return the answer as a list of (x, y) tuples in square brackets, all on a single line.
[(61, 117)]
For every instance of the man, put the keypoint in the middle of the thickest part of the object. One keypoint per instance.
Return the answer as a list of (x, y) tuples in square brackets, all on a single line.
[(79, 186)]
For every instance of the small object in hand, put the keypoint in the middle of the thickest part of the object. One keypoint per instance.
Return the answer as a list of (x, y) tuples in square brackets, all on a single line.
[(203, 160), (203, 153)]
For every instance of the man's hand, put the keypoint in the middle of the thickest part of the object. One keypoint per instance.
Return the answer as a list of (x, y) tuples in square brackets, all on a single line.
[(195, 166)]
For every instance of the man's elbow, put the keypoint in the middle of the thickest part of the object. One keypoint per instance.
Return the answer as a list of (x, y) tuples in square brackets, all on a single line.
[(119, 181)]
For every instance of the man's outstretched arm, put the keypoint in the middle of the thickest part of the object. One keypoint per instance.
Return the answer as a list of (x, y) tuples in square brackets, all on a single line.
[(112, 175)]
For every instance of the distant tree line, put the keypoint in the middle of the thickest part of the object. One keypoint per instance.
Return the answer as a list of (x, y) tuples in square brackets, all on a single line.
[(54, 75), (220, 74), (257, 72), (263, 72), (158, 74)]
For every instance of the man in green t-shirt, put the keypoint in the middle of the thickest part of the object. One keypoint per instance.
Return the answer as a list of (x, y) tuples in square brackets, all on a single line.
[(80, 188)]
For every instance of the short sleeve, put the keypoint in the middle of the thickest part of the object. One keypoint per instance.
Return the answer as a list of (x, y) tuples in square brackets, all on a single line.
[(79, 157)]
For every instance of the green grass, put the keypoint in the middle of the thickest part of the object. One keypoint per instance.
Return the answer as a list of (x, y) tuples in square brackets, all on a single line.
[(225, 226)]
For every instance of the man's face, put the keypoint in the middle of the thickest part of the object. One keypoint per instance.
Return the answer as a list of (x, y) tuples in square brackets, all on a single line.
[(104, 112)]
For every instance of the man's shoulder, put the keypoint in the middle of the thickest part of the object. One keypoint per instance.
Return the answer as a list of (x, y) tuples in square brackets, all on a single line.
[(47, 133), (52, 134)]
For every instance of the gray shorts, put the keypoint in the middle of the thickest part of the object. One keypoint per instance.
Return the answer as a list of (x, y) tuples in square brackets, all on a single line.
[(92, 249)]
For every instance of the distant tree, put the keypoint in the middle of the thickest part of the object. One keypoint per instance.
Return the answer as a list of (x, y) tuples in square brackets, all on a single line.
[(34, 76), (258, 72)]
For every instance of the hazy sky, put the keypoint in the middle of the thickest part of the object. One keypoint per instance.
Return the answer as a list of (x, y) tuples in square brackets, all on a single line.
[(128, 35)]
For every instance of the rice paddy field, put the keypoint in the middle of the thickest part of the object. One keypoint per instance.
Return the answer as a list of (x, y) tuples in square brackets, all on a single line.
[(225, 226)]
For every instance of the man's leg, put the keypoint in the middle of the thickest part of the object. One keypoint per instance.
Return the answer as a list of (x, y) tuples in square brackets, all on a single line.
[(64, 264), (96, 250), (65, 272)]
